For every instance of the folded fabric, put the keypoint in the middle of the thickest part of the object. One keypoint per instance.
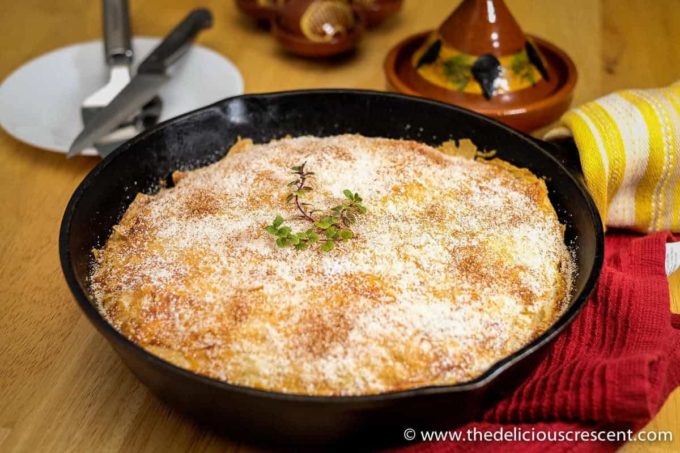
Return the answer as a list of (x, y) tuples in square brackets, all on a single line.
[(629, 145), (611, 369)]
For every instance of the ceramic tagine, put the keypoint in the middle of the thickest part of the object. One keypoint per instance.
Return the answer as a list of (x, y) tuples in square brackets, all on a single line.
[(318, 28), (480, 59)]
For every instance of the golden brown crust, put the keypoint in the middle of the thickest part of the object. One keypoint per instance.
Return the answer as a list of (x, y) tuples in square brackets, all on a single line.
[(456, 264)]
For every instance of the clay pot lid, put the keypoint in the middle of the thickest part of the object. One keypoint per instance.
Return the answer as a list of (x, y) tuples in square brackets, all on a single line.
[(479, 27), (481, 59), (318, 28)]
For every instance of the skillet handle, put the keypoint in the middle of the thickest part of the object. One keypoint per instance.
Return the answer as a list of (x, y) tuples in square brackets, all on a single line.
[(565, 151)]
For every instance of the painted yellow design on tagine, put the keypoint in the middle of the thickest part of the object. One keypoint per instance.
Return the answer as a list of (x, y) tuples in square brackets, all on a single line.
[(452, 69)]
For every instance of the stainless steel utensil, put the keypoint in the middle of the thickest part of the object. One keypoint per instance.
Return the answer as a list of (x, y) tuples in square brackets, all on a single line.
[(151, 75), (119, 55)]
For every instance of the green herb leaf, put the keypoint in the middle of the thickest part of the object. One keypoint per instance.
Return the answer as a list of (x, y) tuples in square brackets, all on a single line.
[(346, 235), (331, 232), (334, 225)]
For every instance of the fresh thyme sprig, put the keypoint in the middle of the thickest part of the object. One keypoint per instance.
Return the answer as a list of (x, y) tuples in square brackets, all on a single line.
[(327, 229), (301, 188)]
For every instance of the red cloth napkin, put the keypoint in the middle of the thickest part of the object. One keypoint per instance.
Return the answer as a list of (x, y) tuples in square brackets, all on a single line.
[(612, 369)]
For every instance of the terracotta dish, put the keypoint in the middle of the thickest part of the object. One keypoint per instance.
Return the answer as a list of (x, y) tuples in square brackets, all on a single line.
[(479, 58), (318, 28)]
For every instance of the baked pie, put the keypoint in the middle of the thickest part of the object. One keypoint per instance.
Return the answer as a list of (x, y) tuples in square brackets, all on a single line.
[(455, 264)]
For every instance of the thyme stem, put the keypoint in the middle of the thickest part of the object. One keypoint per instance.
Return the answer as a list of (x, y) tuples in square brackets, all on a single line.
[(300, 185), (329, 229)]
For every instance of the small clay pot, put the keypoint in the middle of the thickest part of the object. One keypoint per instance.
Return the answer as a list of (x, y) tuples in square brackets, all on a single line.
[(525, 115), (318, 28), (376, 11), (480, 59)]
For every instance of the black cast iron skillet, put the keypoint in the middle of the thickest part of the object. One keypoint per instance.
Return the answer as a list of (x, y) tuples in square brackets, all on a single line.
[(202, 137)]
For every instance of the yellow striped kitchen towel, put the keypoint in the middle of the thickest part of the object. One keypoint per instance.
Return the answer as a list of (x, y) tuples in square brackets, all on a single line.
[(629, 145)]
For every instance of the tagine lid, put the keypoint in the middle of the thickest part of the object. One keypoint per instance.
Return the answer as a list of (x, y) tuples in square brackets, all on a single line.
[(479, 27), (480, 58)]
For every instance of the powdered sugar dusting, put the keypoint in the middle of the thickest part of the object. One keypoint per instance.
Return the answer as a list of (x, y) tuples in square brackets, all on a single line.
[(456, 264)]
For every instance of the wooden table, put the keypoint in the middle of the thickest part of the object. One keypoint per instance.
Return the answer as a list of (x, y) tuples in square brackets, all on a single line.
[(61, 385)]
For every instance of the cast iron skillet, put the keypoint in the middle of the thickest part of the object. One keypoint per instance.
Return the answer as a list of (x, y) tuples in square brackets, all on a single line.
[(202, 137)]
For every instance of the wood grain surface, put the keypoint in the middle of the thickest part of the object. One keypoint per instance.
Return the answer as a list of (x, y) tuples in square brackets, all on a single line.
[(62, 388)]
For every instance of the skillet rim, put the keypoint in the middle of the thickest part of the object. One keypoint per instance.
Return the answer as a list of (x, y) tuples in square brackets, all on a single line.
[(477, 384)]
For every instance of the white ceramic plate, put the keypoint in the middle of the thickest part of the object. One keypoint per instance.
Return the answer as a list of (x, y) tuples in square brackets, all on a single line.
[(40, 101)]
